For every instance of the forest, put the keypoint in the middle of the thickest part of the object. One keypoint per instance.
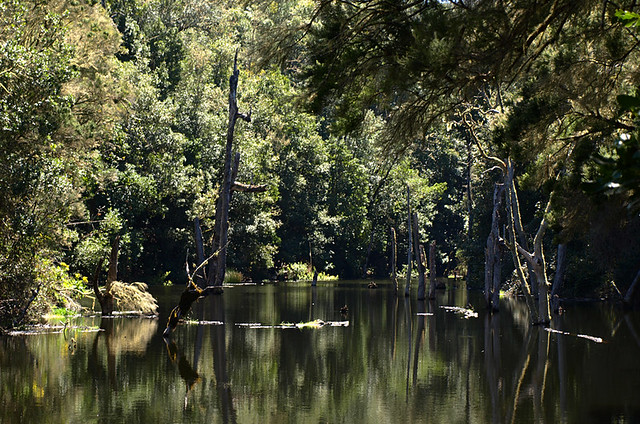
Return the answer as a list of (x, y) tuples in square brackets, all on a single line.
[(509, 128)]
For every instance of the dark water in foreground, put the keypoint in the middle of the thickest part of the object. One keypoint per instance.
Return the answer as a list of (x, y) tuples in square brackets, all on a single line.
[(389, 365)]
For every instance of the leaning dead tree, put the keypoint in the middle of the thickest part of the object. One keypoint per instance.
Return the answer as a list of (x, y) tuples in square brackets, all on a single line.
[(202, 283)]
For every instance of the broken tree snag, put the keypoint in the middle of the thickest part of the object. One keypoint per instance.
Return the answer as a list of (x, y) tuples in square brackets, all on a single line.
[(394, 260), (420, 258), (221, 231), (432, 270)]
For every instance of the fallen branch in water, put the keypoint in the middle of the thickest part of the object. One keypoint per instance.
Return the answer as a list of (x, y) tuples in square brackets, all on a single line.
[(582, 336), (466, 313)]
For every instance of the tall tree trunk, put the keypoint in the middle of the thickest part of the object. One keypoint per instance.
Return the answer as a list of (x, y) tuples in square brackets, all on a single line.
[(420, 258), (394, 260), (409, 247), (221, 232), (200, 276), (493, 252)]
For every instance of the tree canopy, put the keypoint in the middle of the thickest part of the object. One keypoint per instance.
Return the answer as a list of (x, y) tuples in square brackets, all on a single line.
[(113, 121)]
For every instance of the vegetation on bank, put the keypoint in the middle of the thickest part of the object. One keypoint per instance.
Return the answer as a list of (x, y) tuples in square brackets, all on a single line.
[(113, 118)]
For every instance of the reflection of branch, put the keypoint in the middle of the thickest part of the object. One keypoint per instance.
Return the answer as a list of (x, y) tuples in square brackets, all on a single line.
[(186, 371)]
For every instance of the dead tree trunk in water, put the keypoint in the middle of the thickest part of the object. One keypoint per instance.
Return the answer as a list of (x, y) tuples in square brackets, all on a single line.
[(493, 253), (540, 314), (218, 259), (217, 267)]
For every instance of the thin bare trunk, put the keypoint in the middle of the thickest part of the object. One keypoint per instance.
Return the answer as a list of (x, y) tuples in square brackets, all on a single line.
[(200, 277), (432, 270), (394, 259), (558, 278), (420, 258), (409, 247)]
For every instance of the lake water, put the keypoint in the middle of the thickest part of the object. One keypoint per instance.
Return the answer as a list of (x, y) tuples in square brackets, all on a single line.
[(391, 360)]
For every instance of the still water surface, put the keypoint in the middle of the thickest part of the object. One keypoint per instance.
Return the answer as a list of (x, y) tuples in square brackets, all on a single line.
[(397, 361)]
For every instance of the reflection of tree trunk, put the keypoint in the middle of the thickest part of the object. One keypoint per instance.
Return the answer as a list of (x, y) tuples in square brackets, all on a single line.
[(562, 376), (407, 318), (419, 337), (540, 375), (520, 373), (395, 328), (632, 297), (106, 325), (223, 386), (490, 364)]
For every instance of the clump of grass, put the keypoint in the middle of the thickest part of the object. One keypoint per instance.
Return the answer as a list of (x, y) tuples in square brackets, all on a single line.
[(134, 297), (300, 271), (232, 276)]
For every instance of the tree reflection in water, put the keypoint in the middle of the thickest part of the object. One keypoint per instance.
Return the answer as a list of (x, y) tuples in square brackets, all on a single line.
[(391, 364)]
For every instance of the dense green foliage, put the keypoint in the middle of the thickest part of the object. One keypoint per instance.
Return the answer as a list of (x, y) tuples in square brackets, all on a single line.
[(113, 120)]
